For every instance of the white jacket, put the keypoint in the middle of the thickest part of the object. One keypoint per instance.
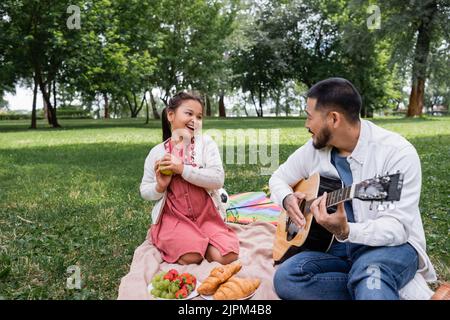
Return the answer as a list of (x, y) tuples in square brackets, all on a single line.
[(208, 174), (378, 151)]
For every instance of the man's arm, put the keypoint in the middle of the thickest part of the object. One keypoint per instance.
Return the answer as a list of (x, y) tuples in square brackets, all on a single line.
[(289, 174)]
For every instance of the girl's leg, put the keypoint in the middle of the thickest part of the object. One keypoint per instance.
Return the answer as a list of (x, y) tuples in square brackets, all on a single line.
[(190, 258), (213, 254)]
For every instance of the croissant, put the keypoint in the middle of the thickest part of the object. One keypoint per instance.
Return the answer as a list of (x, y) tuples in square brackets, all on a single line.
[(217, 276), (236, 288)]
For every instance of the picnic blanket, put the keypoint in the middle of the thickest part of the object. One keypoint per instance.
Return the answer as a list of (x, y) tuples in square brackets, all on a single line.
[(255, 240), (250, 207)]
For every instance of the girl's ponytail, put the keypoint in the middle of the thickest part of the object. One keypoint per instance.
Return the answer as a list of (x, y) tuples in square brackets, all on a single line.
[(166, 131)]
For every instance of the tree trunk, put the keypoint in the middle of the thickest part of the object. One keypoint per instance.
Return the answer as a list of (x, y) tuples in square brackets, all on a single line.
[(53, 121), (222, 112), (254, 103), (105, 97), (366, 112), (134, 113), (208, 106), (33, 110), (142, 104), (277, 103), (245, 106), (45, 109), (419, 74), (147, 115), (416, 98), (260, 102), (166, 97), (49, 113), (134, 108), (154, 110), (245, 109), (54, 94), (129, 104), (286, 102)]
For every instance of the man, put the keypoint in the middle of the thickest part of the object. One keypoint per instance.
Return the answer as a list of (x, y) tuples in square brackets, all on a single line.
[(374, 254)]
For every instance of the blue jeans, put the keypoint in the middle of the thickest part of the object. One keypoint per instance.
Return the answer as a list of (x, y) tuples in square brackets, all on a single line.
[(347, 271)]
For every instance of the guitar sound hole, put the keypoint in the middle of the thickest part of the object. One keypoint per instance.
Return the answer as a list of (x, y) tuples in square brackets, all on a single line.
[(292, 230)]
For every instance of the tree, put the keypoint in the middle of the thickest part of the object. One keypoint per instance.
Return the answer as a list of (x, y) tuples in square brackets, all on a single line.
[(421, 52), (3, 103), (437, 91), (415, 29), (290, 40), (257, 71), (191, 52), (38, 43), (257, 59), (117, 63), (308, 41)]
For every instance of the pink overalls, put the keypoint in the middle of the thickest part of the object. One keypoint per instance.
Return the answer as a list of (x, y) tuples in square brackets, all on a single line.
[(189, 222)]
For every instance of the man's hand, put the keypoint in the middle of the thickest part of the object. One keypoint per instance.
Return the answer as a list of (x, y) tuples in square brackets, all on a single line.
[(292, 205), (335, 223)]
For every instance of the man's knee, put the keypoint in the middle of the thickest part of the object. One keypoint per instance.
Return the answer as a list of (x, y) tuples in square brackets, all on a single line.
[(280, 281), (288, 284), (383, 271), (372, 281)]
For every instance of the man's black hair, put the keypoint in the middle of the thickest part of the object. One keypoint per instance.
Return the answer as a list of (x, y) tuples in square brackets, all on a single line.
[(339, 94)]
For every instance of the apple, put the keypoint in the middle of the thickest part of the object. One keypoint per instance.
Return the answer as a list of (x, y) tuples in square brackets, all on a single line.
[(165, 172)]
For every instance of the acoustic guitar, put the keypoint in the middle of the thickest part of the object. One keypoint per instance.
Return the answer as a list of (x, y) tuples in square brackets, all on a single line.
[(290, 239)]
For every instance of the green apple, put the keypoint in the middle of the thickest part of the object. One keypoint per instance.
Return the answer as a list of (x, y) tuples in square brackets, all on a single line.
[(165, 172)]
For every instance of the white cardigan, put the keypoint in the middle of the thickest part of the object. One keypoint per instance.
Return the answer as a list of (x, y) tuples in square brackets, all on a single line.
[(208, 174), (378, 151)]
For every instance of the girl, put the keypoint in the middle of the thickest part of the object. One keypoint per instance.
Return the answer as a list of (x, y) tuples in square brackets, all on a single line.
[(188, 219)]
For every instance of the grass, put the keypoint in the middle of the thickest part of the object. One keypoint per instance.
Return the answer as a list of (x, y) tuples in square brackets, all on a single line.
[(71, 197)]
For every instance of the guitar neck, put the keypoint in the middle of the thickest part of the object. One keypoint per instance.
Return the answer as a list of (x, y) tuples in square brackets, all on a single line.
[(333, 198)]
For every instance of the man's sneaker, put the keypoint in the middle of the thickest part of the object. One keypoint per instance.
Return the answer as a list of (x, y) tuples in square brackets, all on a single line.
[(416, 289)]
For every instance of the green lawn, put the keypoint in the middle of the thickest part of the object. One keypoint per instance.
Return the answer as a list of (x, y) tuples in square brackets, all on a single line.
[(71, 197)]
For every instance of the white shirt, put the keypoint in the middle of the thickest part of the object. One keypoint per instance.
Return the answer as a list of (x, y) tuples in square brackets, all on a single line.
[(377, 151), (208, 174)]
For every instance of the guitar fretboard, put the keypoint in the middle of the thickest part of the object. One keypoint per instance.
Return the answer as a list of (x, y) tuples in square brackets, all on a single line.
[(333, 198)]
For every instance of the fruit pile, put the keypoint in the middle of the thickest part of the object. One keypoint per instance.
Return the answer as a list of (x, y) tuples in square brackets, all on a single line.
[(171, 285)]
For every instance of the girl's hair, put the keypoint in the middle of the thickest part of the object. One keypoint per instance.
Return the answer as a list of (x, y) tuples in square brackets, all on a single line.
[(173, 104)]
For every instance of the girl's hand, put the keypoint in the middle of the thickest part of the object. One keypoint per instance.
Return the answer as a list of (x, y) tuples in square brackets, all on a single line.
[(172, 163), (162, 181)]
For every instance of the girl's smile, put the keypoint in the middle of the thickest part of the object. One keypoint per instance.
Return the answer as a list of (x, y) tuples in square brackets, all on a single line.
[(187, 116)]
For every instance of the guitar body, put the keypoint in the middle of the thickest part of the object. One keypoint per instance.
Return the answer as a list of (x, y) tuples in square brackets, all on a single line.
[(289, 240)]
